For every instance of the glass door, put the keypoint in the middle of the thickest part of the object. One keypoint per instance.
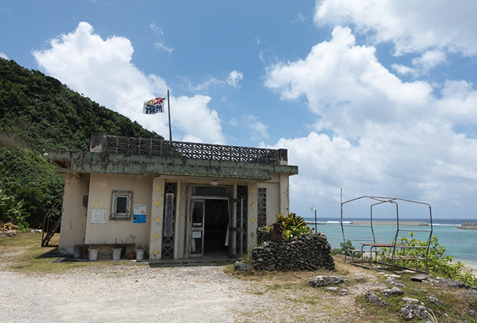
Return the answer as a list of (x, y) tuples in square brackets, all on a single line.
[(197, 228)]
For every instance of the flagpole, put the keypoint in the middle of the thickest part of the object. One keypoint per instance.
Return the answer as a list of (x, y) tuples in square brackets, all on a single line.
[(169, 112)]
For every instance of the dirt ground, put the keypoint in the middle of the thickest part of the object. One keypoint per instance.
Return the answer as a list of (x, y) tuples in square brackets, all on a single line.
[(123, 294), (143, 293)]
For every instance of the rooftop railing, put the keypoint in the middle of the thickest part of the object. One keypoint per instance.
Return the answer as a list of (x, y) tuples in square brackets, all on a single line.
[(188, 150)]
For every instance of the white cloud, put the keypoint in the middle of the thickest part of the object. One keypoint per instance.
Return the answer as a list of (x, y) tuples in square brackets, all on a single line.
[(346, 86), (403, 70), (390, 137), (3, 55), (160, 44), (299, 18), (234, 78), (197, 120), (422, 64), (429, 60), (413, 26), (204, 86), (259, 130), (102, 70)]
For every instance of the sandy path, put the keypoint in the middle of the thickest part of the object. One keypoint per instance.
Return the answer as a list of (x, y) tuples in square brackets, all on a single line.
[(124, 294)]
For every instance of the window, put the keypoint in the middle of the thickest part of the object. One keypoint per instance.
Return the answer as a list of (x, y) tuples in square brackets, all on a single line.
[(262, 207), (121, 203)]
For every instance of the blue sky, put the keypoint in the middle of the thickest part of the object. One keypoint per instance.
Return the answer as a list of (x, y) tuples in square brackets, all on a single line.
[(375, 96)]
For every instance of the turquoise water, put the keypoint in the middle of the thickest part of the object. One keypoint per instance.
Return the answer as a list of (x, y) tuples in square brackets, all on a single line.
[(462, 244)]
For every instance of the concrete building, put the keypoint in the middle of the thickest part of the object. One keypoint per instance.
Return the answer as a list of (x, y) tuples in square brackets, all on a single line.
[(177, 199)]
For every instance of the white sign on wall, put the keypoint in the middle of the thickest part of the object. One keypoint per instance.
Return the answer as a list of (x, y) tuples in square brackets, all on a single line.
[(99, 215)]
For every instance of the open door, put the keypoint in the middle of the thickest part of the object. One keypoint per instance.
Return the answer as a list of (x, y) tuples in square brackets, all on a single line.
[(235, 245), (197, 228)]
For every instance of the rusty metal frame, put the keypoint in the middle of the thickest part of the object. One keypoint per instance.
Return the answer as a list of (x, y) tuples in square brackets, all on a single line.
[(374, 248)]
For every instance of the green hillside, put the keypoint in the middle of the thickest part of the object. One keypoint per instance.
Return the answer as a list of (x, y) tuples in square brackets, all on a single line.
[(38, 114)]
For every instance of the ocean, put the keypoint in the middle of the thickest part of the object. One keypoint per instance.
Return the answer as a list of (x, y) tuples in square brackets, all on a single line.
[(459, 243)]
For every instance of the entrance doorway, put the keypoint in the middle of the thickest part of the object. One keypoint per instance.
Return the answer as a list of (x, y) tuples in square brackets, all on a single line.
[(216, 221), (210, 220)]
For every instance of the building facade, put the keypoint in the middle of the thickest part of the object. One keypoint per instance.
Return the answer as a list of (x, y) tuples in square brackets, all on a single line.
[(176, 199)]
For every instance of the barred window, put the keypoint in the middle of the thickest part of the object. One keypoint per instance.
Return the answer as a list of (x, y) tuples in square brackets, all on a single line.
[(262, 207)]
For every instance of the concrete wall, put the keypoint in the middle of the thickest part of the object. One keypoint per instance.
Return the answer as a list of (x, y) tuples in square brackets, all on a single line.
[(157, 218), (118, 231), (149, 191), (74, 213), (277, 196)]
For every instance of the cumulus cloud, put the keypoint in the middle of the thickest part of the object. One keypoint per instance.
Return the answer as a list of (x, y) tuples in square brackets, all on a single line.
[(374, 133), (3, 55), (198, 122), (413, 26), (346, 86), (102, 70)]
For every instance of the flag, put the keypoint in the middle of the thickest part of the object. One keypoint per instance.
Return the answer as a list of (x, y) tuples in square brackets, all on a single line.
[(154, 106)]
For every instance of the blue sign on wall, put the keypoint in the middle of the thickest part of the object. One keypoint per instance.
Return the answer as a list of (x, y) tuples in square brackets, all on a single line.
[(140, 211), (139, 218)]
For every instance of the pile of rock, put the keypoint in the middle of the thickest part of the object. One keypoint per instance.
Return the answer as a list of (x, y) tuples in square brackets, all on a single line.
[(307, 252)]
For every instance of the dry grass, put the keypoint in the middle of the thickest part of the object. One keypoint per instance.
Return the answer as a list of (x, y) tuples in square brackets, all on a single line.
[(294, 300), (24, 254)]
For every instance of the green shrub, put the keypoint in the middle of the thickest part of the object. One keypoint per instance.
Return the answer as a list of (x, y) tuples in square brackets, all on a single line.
[(12, 211), (293, 225), (438, 263), (345, 248)]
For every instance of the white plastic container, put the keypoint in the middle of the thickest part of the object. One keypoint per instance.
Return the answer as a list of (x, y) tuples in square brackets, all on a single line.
[(139, 254), (77, 253), (92, 254), (117, 253)]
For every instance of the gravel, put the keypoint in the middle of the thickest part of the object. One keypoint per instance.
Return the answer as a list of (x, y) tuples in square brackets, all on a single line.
[(125, 294)]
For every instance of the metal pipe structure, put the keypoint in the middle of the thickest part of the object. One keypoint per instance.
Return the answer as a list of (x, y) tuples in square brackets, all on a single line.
[(316, 228)]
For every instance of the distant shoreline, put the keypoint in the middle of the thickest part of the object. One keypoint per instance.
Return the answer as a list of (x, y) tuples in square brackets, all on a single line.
[(468, 226), (410, 223)]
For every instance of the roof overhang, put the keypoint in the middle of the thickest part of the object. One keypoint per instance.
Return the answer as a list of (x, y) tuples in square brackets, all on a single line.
[(107, 163)]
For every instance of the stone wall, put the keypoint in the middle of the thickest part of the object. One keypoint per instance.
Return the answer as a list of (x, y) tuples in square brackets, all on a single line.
[(307, 252)]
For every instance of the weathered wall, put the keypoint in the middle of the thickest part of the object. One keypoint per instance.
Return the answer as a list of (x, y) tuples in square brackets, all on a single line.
[(307, 252), (74, 213), (118, 231)]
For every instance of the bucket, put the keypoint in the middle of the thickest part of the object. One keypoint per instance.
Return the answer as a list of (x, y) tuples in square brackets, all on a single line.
[(117, 253), (139, 254), (77, 252), (93, 254)]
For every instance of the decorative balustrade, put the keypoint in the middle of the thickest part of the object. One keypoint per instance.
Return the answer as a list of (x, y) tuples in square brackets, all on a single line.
[(178, 149)]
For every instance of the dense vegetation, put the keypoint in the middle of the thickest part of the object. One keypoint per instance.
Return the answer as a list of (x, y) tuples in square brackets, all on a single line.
[(39, 114)]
